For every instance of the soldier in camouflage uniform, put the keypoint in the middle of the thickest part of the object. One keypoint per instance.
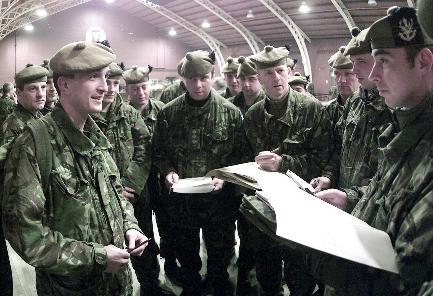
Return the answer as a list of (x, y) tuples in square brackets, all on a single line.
[(147, 266), (399, 199), (31, 92), (68, 218), (7, 104), (195, 133), (173, 91), (287, 130), (52, 95), (230, 70)]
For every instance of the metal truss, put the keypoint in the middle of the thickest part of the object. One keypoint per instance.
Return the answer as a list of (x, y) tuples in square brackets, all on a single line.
[(213, 43), (251, 39), (344, 12), (297, 33), (6, 6)]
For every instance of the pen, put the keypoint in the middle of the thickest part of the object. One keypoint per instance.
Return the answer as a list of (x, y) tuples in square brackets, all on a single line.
[(297, 183), (139, 245)]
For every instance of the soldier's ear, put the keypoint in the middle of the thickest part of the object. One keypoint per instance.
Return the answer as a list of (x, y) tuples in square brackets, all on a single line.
[(64, 85)]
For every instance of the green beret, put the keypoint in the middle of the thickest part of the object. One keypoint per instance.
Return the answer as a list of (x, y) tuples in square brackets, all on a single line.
[(81, 57), (400, 28), (45, 64), (271, 57), (231, 66), (114, 70), (358, 44), (137, 74), (31, 73), (425, 8), (196, 63), (340, 61), (246, 67), (297, 78)]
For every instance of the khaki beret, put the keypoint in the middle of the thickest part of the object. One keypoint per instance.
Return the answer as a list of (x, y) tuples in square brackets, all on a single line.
[(358, 44), (231, 66), (246, 67), (425, 19), (297, 78), (197, 63), (137, 74), (271, 57), (114, 70), (31, 73), (78, 57), (339, 61), (400, 28), (45, 64)]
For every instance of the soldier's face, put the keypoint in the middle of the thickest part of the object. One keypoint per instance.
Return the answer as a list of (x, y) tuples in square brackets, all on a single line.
[(299, 88), (51, 91), (113, 90), (199, 87), (275, 81), (397, 80), (346, 82), (138, 93), (32, 96), (85, 91), (250, 85), (362, 65), (232, 83)]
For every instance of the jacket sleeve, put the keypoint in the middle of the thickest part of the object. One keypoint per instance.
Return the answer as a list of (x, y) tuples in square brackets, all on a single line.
[(160, 153), (25, 219)]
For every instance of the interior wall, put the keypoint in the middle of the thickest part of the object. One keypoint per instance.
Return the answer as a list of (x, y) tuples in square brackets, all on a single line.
[(134, 41)]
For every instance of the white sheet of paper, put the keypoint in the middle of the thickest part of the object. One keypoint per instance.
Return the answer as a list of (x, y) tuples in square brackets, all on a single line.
[(193, 185)]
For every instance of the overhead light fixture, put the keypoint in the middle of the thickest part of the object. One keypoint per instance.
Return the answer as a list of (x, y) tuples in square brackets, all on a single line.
[(304, 8), (109, 1), (28, 27), (205, 24), (250, 13), (41, 12), (372, 2), (172, 32)]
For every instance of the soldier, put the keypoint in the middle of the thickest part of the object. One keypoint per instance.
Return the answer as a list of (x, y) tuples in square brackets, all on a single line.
[(230, 71), (399, 198), (31, 92), (147, 266), (298, 82), (346, 85), (7, 101), (63, 210), (195, 133), (173, 91), (287, 130), (52, 95)]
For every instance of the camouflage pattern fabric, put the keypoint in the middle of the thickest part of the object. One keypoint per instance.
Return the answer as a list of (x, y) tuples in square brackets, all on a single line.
[(150, 113), (62, 232), (15, 123), (7, 106), (46, 110), (173, 91), (239, 101), (226, 94), (130, 139), (335, 110), (192, 140)]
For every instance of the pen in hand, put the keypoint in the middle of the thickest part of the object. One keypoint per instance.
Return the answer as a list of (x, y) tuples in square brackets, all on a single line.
[(139, 245)]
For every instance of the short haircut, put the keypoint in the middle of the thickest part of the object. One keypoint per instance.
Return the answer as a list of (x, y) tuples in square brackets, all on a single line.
[(56, 77), (412, 52)]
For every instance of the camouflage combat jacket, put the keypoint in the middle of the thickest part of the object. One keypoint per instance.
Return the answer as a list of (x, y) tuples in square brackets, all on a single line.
[(46, 110), (302, 135), (150, 114), (364, 119), (15, 123), (239, 101), (7, 106), (62, 231), (173, 91), (335, 110), (130, 141)]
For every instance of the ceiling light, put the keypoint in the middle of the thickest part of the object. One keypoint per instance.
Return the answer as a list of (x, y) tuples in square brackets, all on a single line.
[(28, 27), (172, 32), (205, 24), (41, 12), (304, 8), (250, 14), (109, 1), (372, 2)]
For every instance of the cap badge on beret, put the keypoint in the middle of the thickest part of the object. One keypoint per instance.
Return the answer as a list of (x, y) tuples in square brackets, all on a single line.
[(407, 30)]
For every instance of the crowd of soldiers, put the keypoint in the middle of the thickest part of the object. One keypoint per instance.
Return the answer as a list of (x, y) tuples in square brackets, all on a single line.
[(83, 170)]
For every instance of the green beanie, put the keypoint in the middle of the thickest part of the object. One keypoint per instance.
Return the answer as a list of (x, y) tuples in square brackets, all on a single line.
[(358, 44), (246, 67), (196, 64), (271, 57), (137, 74), (231, 66), (30, 73)]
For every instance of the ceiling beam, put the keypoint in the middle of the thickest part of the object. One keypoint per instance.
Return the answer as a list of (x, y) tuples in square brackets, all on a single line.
[(344, 12), (297, 33), (251, 39), (213, 43)]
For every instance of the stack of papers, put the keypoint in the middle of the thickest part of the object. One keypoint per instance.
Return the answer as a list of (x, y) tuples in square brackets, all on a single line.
[(193, 185)]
